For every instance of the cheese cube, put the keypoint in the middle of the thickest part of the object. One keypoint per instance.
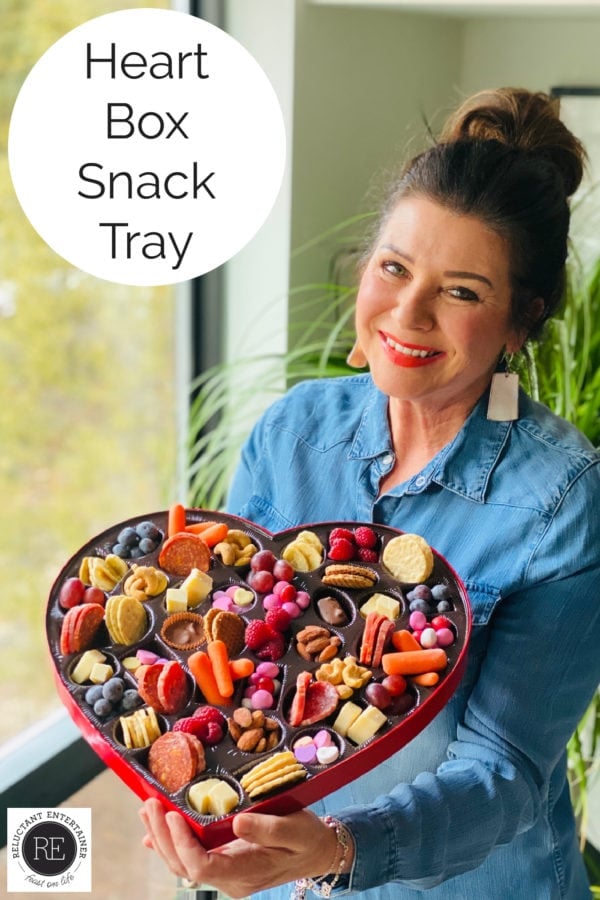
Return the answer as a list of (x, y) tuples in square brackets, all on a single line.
[(366, 725), (82, 670), (100, 673), (383, 604), (197, 587), (176, 600), (346, 716)]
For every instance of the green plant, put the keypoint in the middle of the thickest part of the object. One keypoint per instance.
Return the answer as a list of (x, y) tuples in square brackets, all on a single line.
[(564, 373)]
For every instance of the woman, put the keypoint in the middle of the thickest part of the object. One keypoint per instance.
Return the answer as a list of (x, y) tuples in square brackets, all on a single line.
[(466, 264)]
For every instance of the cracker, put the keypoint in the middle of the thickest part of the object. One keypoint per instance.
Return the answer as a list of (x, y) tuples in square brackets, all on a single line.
[(267, 765), (110, 617), (131, 618), (349, 576), (347, 581), (229, 628), (209, 618), (296, 773), (408, 558)]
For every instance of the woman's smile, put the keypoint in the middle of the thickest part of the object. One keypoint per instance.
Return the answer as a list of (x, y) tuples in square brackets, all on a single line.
[(408, 355)]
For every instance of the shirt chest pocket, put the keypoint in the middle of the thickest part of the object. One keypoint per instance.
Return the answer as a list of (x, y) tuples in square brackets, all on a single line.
[(483, 601)]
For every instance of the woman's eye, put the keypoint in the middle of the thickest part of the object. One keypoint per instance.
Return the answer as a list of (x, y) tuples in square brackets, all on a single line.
[(463, 293), (394, 268)]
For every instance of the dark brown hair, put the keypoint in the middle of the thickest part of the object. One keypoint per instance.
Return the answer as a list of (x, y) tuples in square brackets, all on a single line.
[(506, 157)]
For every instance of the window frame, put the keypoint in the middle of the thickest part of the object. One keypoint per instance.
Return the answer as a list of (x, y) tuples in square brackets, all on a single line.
[(45, 764)]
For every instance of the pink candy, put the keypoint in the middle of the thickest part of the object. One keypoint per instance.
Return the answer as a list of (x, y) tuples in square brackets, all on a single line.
[(445, 637), (262, 699), (267, 669), (417, 620), (147, 657)]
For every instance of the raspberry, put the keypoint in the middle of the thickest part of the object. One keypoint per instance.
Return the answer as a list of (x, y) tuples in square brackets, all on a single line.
[(207, 714), (278, 619), (257, 633), (365, 537), (192, 725), (338, 533), (214, 733), (367, 555), (341, 549), (272, 649)]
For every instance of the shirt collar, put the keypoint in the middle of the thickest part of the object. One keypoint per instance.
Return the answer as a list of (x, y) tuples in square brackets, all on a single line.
[(464, 466)]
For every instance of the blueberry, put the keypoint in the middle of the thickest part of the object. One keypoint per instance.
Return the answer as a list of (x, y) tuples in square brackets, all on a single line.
[(128, 537), (94, 693), (130, 700), (112, 690), (135, 553), (120, 550), (149, 530), (444, 606), (422, 592), (102, 708), (440, 592), (147, 545), (420, 606)]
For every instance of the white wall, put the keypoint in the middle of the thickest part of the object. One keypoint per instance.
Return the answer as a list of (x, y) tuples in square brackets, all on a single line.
[(363, 80), (256, 280)]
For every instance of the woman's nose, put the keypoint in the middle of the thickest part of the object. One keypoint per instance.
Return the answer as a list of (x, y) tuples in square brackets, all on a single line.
[(414, 307)]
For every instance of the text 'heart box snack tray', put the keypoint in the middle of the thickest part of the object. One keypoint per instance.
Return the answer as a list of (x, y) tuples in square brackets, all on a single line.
[(219, 668)]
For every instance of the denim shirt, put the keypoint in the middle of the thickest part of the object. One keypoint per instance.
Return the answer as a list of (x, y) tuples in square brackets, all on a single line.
[(477, 806)]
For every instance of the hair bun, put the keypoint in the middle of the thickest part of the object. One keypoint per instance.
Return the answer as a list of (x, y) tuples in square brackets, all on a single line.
[(524, 120)]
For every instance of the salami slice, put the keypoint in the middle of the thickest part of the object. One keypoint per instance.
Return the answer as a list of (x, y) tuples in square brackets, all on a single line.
[(183, 552), (372, 623), (171, 687), (80, 626), (148, 686), (173, 760), (298, 704), (321, 700), (384, 633)]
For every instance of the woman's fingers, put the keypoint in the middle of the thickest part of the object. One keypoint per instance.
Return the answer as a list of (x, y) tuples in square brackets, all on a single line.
[(268, 850), (159, 836)]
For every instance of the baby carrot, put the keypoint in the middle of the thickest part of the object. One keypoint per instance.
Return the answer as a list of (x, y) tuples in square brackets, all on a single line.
[(219, 658), (211, 532), (176, 520), (201, 669), (427, 679), (199, 527), (414, 662), (405, 640), (241, 668)]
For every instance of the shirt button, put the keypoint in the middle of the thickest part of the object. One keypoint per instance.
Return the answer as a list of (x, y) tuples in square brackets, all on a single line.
[(420, 481), (388, 459)]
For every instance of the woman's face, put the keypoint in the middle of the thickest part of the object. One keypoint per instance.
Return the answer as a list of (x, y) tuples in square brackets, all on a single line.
[(433, 307)]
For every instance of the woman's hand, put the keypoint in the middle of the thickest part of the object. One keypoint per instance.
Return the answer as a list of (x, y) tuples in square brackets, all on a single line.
[(267, 851)]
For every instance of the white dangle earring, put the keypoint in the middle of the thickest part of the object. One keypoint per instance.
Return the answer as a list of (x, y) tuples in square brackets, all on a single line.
[(503, 404), (356, 359)]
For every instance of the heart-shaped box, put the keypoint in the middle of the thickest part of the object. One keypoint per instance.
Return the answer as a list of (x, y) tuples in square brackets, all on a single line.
[(225, 760)]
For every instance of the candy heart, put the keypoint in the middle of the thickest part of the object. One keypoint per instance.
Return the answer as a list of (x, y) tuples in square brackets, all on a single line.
[(215, 734)]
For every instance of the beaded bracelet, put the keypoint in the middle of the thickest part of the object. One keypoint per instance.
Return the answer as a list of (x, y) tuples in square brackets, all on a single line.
[(321, 886)]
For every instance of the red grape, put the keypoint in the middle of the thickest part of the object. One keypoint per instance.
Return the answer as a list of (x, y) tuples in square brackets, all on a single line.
[(261, 581), (283, 570), (394, 684), (71, 593), (263, 561), (94, 595), (378, 695)]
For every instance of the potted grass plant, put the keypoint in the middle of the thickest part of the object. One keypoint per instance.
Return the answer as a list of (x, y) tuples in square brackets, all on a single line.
[(562, 371)]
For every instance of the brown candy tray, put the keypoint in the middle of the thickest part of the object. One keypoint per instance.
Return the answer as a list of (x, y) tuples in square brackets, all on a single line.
[(224, 760)]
